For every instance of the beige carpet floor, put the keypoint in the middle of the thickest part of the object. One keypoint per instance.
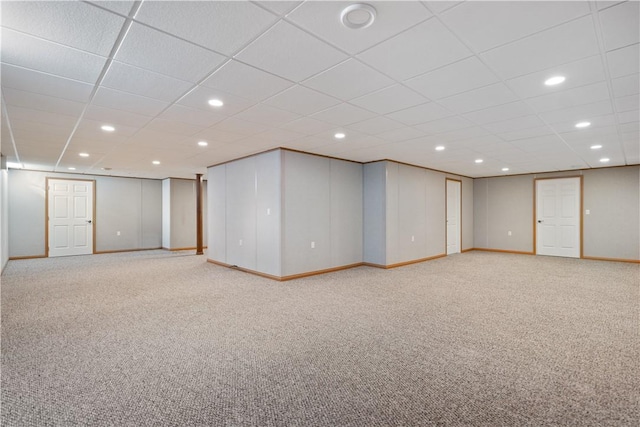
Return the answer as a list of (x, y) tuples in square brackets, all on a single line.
[(157, 338)]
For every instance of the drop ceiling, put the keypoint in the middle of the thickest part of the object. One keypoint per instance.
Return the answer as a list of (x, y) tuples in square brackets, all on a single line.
[(468, 76)]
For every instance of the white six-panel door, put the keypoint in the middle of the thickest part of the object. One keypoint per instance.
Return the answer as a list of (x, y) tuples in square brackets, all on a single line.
[(558, 217), (70, 217), (453, 217)]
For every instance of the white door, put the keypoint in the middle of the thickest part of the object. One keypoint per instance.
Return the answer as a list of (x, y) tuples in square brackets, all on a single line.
[(70, 217), (453, 217), (558, 217)]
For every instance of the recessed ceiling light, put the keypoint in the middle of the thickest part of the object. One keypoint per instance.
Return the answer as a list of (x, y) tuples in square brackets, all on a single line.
[(107, 128), (358, 16), (339, 135), (216, 103), (440, 148), (505, 169), (596, 147), (604, 160), (83, 154), (71, 168), (14, 165), (203, 143), (479, 160), (555, 80), (156, 162), (583, 125)]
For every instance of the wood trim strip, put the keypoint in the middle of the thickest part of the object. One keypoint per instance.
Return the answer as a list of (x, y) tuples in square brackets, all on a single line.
[(502, 251), (117, 251), (192, 248), (245, 270), (593, 258), (317, 272), (466, 250), (15, 258), (402, 264)]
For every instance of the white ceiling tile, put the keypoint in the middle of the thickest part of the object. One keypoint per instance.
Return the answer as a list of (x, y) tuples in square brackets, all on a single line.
[(559, 45), (152, 50), (223, 26), (174, 127), (390, 99), (462, 134), (307, 126), (421, 114), (74, 24), (627, 103), (607, 3), (301, 100), (267, 115), (243, 127), (37, 118), (375, 125), (36, 101), (116, 117), (540, 143), (90, 129), (45, 84), (445, 125), (621, 25), (401, 134), (628, 85), (248, 82), (439, 6), (452, 79), (128, 78), (485, 25), (343, 114), (422, 48), (520, 123), (349, 80), (628, 116), (624, 61), (323, 20), (118, 100), (570, 97), (121, 7), (278, 136), (485, 97), (603, 120), (526, 133), (213, 134), (180, 113), (500, 112), (578, 73), (40, 55), (280, 7), (272, 52), (579, 113), (199, 98)]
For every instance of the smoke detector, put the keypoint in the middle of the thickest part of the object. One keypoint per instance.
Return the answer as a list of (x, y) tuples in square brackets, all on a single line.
[(358, 16)]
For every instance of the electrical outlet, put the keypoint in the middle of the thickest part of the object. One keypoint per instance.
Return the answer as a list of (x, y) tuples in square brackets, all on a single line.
[(313, 245), (588, 212), (268, 211), (117, 233), (240, 242), (413, 238), (509, 233)]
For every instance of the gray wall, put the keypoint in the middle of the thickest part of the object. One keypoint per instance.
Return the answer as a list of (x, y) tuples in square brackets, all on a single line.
[(4, 216), (129, 205), (405, 213), (611, 230), (322, 204), (179, 213), (244, 213)]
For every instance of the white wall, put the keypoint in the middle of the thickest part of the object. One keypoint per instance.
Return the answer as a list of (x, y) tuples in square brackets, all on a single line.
[(244, 213), (179, 213), (129, 205), (4, 217)]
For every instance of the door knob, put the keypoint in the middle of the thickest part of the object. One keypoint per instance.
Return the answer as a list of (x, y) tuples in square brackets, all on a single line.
[(88, 221), (540, 221)]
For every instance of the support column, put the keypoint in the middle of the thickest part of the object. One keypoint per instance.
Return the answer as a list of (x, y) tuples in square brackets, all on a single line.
[(199, 250)]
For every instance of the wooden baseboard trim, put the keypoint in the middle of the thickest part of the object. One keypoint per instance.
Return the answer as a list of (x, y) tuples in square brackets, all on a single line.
[(401, 264), (593, 258), (502, 251), (467, 250), (285, 278), (117, 251), (182, 249), (16, 258)]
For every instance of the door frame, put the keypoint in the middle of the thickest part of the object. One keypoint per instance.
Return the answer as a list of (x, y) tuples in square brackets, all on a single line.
[(446, 203), (535, 210), (46, 211)]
